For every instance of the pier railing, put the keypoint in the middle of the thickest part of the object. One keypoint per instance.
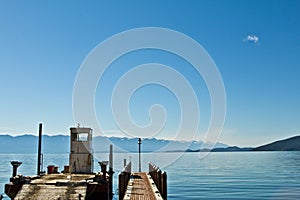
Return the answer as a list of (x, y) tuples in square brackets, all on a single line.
[(160, 179), (124, 177)]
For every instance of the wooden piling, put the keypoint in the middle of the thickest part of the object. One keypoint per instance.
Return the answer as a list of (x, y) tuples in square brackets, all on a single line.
[(159, 178), (123, 178), (39, 150), (163, 189)]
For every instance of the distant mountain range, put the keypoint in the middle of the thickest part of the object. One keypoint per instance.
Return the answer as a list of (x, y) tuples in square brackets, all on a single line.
[(28, 144), (61, 144), (224, 149), (290, 144)]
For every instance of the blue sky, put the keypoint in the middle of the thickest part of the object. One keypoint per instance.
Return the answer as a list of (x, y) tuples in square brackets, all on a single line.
[(255, 45)]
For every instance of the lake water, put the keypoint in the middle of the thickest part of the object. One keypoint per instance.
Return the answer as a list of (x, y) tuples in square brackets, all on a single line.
[(228, 175)]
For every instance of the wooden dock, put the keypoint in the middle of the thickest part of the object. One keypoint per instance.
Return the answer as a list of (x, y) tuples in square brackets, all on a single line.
[(60, 186), (141, 187), (55, 186), (78, 182)]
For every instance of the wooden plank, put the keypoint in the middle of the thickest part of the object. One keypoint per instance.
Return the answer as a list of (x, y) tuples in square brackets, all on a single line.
[(141, 187), (51, 192), (55, 186)]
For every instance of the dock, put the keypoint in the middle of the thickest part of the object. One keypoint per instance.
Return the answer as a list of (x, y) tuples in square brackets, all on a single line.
[(78, 181), (142, 185), (59, 186), (56, 186)]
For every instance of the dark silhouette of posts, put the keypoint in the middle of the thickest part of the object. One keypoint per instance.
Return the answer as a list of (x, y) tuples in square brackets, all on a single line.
[(164, 186), (124, 177), (39, 150), (160, 179), (111, 172), (103, 165), (139, 142)]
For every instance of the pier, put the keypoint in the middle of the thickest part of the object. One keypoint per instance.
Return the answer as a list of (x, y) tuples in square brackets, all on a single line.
[(59, 186), (56, 186), (78, 182), (142, 185)]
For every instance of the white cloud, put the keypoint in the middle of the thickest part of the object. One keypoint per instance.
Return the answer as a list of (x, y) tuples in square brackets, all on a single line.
[(251, 38)]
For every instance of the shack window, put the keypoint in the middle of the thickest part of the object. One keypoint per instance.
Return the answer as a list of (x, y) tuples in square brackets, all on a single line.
[(83, 137)]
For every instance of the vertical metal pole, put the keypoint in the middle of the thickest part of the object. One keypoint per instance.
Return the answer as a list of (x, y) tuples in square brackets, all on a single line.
[(39, 150), (110, 171), (139, 142)]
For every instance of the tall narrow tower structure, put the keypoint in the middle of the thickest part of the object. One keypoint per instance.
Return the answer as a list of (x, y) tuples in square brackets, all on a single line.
[(81, 157)]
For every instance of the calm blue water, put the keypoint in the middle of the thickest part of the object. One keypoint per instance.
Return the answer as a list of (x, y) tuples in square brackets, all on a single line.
[(238, 175)]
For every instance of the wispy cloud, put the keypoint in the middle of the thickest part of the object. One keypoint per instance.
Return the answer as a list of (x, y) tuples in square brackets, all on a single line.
[(251, 38)]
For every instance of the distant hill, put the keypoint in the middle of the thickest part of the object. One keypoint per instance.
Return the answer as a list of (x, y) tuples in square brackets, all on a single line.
[(28, 144), (290, 144), (223, 149), (231, 149), (61, 144), (153, 144)]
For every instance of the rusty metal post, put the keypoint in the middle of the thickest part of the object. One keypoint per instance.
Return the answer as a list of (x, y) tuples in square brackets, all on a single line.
[(39, 150), (15, 165), (103, 165)]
